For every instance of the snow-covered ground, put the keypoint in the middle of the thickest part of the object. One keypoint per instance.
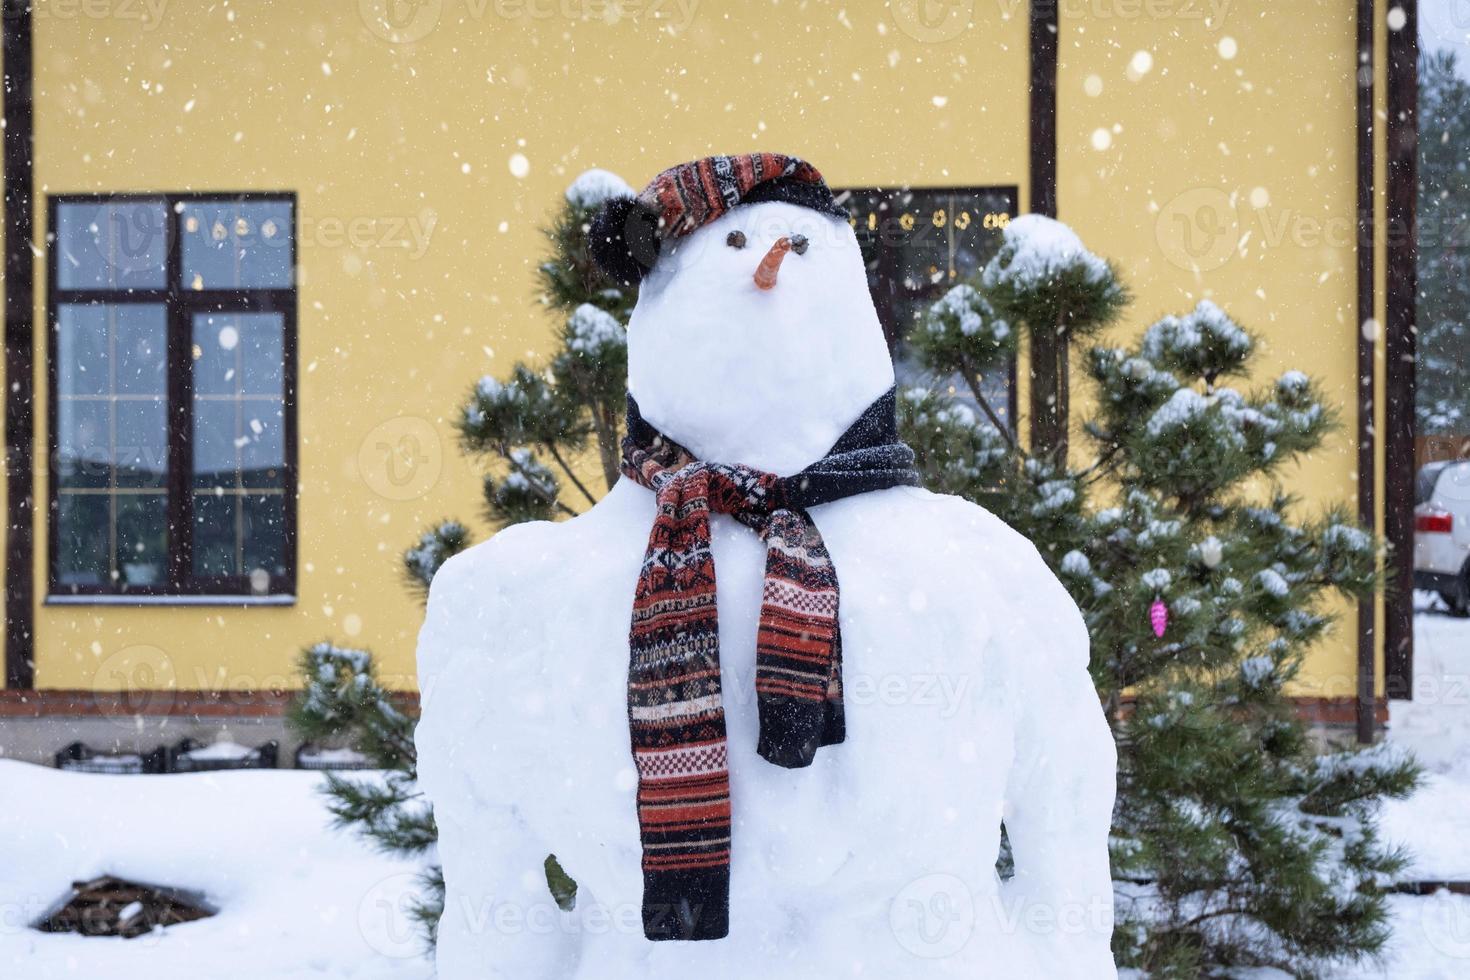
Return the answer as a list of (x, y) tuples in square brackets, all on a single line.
[(1432, 933), (297, 899)]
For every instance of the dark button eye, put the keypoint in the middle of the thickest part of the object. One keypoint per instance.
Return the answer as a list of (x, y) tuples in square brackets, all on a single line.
[(799, 244), (736, 239)]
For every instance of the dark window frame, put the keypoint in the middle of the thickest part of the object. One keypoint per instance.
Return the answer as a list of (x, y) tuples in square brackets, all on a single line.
[(1010, 192), (181, 305)]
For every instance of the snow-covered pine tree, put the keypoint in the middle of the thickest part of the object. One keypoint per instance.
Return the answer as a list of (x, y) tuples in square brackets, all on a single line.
[(531, 428), (1237, 842)]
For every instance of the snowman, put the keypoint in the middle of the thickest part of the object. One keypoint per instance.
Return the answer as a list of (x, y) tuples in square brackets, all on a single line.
[(769, 702)]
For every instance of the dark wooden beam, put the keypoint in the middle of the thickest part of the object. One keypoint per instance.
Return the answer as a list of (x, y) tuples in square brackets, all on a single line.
[(1399, 346), (1048, 353), (20, 285), (1366, 342)]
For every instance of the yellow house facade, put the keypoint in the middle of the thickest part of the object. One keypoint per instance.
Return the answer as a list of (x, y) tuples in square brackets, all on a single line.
[(332, 210)]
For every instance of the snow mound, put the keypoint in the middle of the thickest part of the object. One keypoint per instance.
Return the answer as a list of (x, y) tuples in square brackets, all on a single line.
[(297, 900), (594, 186), (1037, 250)]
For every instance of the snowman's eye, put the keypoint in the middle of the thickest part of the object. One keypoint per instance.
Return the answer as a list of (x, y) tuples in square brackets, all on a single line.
[(799, 244), (736, 239)]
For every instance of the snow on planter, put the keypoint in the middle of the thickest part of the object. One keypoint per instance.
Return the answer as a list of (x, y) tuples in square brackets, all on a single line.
[(189, 756), (79, 757)]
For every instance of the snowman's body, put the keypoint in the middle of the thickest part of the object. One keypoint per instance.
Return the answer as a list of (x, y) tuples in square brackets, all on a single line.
[(964, 665)]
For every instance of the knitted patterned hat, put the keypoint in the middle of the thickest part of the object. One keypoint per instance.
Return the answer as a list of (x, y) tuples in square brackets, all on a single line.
[(626, 233)]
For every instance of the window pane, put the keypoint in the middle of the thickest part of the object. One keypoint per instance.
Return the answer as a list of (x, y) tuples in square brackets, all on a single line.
[(237, 245), (238, 353), (140, 346), (239, 417), (111, 245), (82, 522), (112, 538), (110, 386), (265, 534), (140, 448), (216, 535), (142, 539), (82, 342), (84, 435)]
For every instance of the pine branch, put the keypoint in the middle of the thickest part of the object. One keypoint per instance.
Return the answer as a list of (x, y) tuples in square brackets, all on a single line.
[(570, 475), (984, 403)]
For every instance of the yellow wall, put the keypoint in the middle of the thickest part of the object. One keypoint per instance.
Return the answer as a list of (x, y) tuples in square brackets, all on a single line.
[(306, 97), (1224, 177)]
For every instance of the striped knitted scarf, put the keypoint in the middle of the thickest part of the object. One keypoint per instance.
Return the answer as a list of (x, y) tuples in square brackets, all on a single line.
[(675, 710)]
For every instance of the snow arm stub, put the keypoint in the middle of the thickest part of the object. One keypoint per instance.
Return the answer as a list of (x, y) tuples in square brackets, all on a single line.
[(500, 919), (1062, 772), (1062, 782)]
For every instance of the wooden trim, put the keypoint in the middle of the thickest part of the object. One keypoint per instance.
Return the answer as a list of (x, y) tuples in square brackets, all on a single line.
[(1402, 284), (1048, 353), (1365, 66), (181, 306), (1043, 158), (1336, 712), (20, 286), (161, 703), (1430, 887)]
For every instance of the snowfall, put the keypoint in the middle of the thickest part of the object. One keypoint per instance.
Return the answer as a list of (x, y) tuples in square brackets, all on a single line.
[(297, 899)]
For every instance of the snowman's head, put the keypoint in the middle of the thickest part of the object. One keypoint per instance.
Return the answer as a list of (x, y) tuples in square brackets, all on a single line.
[(754, 339)]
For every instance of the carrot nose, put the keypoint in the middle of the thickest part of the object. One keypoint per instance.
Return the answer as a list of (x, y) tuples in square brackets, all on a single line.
[(765, 273)]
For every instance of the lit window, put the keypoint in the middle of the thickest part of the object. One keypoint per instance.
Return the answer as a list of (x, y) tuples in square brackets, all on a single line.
[(917, 244)]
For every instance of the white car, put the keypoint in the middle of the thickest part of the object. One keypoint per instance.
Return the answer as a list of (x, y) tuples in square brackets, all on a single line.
[(1442, 533)]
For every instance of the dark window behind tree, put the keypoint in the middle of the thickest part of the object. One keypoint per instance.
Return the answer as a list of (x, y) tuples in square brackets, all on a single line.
[(172, 366), (917, 244)]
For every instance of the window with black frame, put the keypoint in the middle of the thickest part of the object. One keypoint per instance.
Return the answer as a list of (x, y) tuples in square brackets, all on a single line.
[(172, 401), (920, 242)]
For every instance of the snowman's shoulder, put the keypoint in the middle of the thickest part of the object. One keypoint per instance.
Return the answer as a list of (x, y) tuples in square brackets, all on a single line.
[(915, 519), (998, 569), (522, 562)]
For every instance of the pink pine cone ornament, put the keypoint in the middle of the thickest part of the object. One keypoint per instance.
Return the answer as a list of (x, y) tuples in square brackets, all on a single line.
[(1158, 615)]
